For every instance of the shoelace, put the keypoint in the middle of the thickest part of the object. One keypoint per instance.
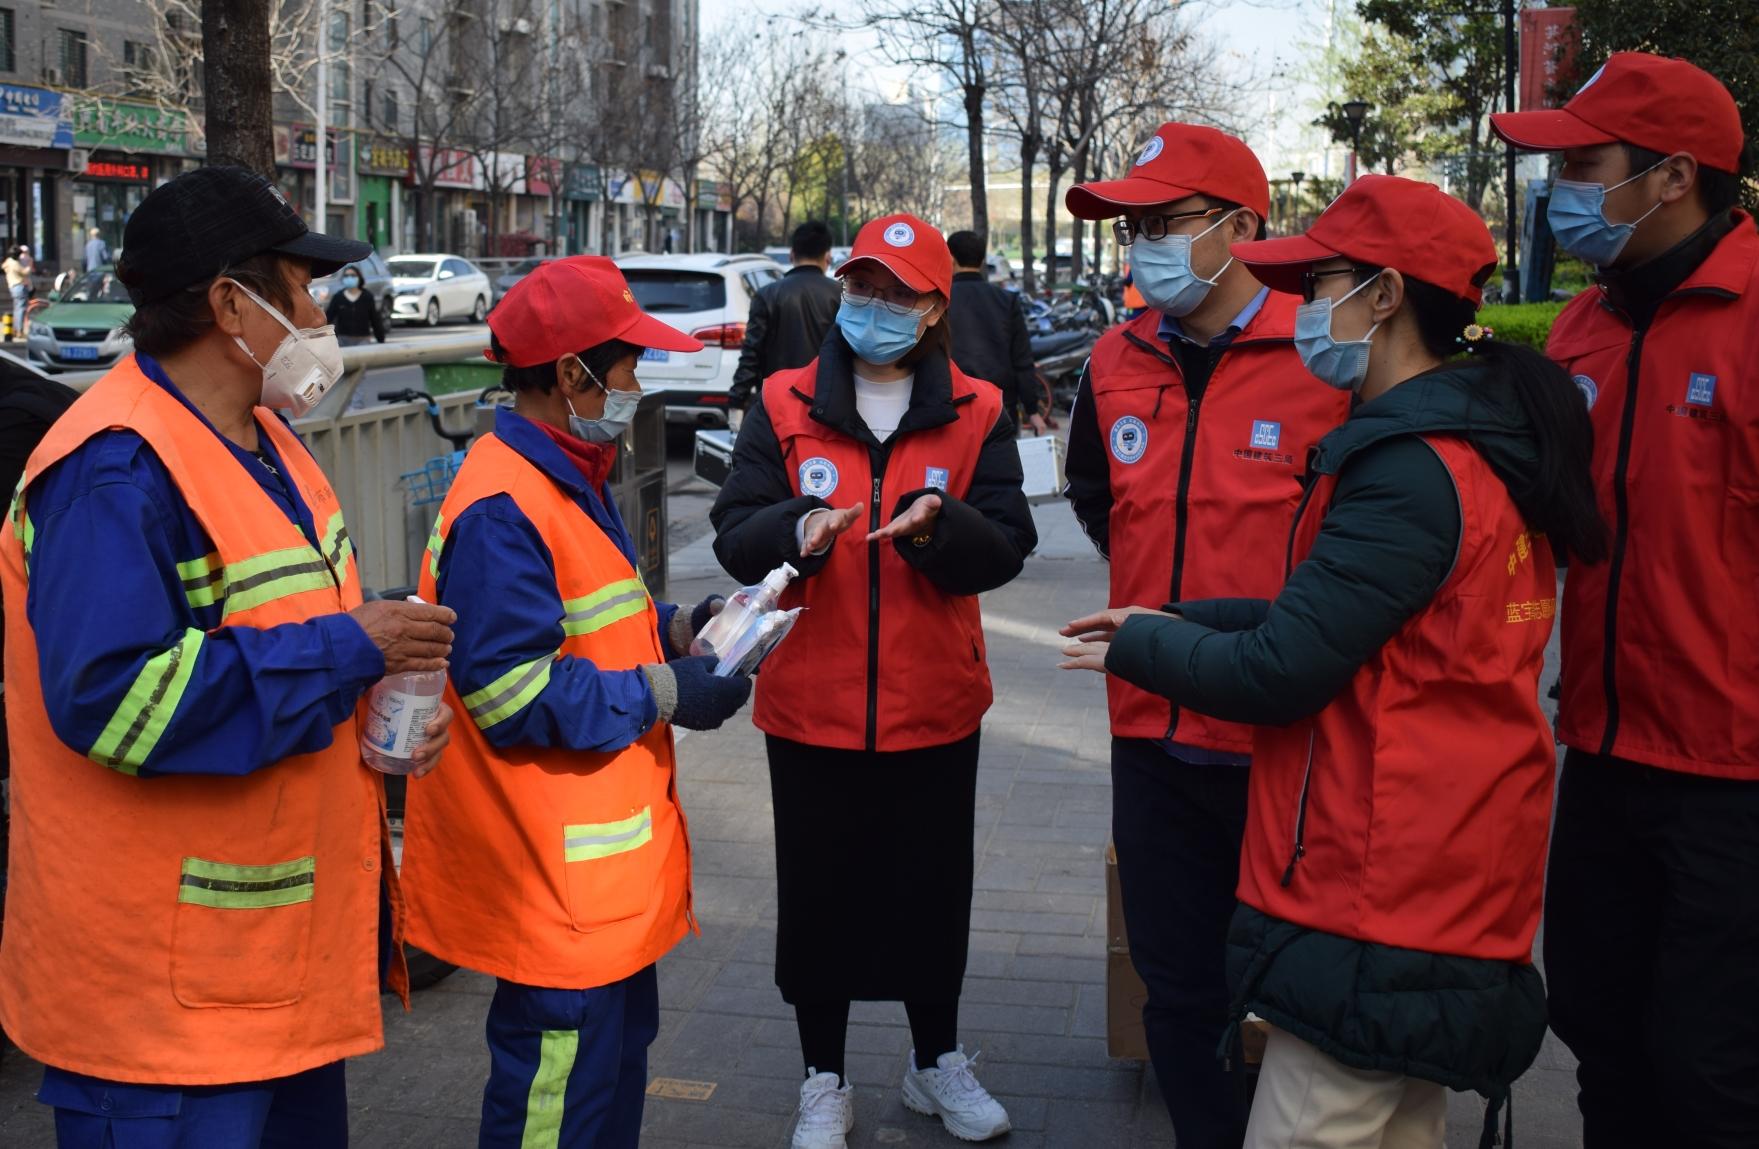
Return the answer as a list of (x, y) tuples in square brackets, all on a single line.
[(813, 1110), (961, 1081)]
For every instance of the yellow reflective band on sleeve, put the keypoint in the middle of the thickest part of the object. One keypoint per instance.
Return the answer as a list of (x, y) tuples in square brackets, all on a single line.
[(595, 611), (22, 529), (276, 574), (510, 693), (436, 543), (337, 548), (204, 580), (557, 1051), (602, 839), (221, 886), (132, 732)]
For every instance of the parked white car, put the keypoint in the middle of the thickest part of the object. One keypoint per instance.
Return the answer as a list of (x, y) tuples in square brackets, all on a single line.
[(431, 288), (707, 295)]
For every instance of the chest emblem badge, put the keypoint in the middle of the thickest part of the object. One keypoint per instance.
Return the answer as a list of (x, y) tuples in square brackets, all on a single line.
[(1129, 439), (818, 477)]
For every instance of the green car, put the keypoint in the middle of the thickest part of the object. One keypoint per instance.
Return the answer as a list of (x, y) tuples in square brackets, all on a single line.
[(85, 328)]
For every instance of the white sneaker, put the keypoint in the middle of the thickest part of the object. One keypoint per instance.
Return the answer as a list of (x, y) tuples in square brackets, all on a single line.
[(827, 1113), (951, 1092)]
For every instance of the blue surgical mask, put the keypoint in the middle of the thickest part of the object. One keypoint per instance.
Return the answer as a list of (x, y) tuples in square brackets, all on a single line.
[(1577, 215), (618, 414), (1162, 272), (1338, 363), (876, 333), (351, 281)]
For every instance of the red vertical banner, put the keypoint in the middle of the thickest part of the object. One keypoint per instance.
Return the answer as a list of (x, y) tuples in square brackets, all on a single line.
[(1550, 41)]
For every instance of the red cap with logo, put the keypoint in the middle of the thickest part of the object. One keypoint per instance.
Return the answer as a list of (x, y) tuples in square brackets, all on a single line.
[(1661, 104), (1385, 221), (910, 249), (573, 304), (1178, 161)]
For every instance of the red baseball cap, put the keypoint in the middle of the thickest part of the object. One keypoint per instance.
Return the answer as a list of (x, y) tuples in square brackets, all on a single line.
[(1179, 160), (1654, 102), (910, 249), (570, 305), (1385, 221)]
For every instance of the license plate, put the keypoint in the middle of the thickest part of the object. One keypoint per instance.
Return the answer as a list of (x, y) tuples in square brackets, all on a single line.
[(79, 353), (655, 355)]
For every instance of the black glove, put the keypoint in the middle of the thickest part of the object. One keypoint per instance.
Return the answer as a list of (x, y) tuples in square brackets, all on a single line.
[(688, 694), (678, 637)]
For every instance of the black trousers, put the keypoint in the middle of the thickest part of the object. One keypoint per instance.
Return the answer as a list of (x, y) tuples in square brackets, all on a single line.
[(1177, 828), (1652, 953)]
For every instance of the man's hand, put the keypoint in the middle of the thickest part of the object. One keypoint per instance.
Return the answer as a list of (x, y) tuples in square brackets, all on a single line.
[(411, 635), (439, 734), (1093, 636), (918, 519), (1038, 424), (823, 526)]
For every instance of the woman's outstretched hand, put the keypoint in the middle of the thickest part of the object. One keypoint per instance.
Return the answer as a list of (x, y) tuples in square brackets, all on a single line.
[(1092, 635)]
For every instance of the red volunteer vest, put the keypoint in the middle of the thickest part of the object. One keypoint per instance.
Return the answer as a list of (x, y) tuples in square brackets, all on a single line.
[(881, 659), (1206, 488), (1660, 644), (1421, 796), (192, 930), (558, 868)]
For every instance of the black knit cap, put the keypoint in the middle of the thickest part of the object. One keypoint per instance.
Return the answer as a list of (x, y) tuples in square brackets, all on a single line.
[(191, 229)]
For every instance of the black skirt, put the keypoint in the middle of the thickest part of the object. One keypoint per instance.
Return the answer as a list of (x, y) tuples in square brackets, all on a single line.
[(873, 870)]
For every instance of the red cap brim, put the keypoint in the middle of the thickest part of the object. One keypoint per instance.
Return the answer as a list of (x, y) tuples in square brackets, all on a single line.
[(647, 331), (1278, 263), (907, 275), (1548, 130), (1107, 198)]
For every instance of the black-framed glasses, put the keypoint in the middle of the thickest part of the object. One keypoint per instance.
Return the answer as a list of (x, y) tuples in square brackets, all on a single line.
[(1310, 279), (898, 300), (1155, 227)]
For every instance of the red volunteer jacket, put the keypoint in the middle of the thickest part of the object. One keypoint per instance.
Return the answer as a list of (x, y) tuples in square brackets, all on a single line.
[(1413, 810), (1201, 491), (1661, 643)]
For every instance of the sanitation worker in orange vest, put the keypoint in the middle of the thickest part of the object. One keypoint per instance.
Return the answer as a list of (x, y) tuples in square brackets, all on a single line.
[(891, 481), (199, 863), (552, 850), (1652, 900), (1402, 770), (1187, 442)]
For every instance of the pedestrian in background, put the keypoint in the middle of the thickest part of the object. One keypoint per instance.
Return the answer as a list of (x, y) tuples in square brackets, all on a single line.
[(1187, 442), (18, 283), (201, 906), (552, 850), (790, 318), (97, 251), (990, 341), (1652, 900), (1401, 779), (890, 480), (354, 314)]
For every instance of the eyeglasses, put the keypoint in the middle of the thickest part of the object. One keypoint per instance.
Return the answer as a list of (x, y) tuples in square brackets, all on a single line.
[(1156, 227), (1310, 279), (898, 300)]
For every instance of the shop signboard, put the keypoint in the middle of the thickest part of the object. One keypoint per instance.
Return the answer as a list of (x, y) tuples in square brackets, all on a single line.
[(296, 146), (138, 129), (543, 175), (34, 118), (582, 182), (449, 167), (381, 156)]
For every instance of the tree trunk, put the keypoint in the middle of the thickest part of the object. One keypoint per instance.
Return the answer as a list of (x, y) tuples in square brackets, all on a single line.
[(974, 143), (1050, 228), (237, 91), (1028, 157), (1077, 228)]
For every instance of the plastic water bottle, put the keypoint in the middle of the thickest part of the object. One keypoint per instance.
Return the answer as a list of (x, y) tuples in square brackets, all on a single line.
[(398, 711), (744, 609)]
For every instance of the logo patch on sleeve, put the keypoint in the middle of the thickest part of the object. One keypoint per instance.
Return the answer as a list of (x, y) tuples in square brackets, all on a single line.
[(818, 477)]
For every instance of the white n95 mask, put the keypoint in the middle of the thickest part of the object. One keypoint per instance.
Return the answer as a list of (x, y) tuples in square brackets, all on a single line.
[(305, 365)]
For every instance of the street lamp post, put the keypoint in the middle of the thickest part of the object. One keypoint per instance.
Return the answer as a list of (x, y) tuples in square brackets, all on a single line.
[(1297, 177), (1355, 111), (321, 206)]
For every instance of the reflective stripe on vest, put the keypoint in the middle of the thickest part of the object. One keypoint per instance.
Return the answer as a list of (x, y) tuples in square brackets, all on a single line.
[(250, 583), (602, 839), (227, 887), (613, 603), (510, 693), (146, 710), (436, 543)]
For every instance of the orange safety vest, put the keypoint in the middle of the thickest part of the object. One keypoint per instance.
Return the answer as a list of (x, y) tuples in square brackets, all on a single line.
[(559, 868), (1203, 489), (881, 658), (1413, 810), (192, 930)]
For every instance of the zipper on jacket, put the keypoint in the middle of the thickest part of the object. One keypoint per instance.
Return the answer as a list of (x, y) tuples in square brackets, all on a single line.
[(1620, 540), (1179, 511), (877, 460), (1300, 850)]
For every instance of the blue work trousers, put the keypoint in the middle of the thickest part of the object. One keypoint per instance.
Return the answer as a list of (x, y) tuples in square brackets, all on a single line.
[(568, 1067), (306, 1111)]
